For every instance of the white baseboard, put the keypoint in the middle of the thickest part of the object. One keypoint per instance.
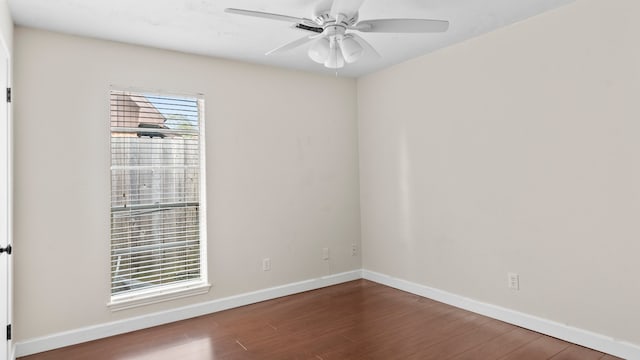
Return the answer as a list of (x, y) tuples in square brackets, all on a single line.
[(561, 331), (574, 335), (90, 333)]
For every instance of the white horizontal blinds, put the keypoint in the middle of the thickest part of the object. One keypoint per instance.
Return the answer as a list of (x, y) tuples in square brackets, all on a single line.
[(155, 191)]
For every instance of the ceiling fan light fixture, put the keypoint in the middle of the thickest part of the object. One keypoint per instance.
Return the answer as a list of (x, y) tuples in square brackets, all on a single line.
[(319, 51), (351, 49), (335, 59)]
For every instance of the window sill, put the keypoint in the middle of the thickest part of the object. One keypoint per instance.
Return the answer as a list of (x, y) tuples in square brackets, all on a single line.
[(157, 295)]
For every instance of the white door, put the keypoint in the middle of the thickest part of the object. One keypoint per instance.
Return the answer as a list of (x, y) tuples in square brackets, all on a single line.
[(5, 264)]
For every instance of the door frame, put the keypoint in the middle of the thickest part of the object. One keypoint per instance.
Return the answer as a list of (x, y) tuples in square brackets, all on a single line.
[(6, 124)]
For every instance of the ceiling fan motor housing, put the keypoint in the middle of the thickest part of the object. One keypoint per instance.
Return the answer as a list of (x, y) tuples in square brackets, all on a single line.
[(323, 18)]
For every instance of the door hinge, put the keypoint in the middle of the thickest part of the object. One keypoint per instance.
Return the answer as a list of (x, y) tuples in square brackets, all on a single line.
[(7, 249), (8, 95), (8, 332)]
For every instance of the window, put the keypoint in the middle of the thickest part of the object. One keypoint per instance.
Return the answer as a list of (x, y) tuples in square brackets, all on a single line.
[(157, 193)]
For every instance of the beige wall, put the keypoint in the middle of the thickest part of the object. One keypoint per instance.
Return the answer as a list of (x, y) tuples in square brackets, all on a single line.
[(518, 151), (282, 173)]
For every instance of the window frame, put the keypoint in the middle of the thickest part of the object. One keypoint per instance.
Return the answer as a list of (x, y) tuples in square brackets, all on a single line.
[(162, 293)]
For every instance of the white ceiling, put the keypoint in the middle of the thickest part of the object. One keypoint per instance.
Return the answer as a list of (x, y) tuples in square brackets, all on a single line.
[(202, 27)]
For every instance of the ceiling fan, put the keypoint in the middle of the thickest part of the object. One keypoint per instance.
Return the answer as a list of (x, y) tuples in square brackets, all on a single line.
[(334, 26)]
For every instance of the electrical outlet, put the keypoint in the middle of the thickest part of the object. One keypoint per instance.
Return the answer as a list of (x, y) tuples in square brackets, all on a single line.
[(354, 249), (266, 264), (513, 281), (325, 253)]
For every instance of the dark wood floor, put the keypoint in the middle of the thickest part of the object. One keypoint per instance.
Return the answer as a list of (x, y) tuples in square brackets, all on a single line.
[(355, 320)]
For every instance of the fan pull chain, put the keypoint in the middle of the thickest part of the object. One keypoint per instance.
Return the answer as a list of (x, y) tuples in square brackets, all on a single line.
[(336, 44)]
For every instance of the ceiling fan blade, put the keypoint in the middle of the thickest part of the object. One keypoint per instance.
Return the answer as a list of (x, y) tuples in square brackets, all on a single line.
[(292, 45), (365, 44), (402, 26), (345, 7), (266, 15)]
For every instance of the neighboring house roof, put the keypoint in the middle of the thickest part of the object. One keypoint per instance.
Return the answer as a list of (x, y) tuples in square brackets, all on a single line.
[(147, 112), (135, 111)]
